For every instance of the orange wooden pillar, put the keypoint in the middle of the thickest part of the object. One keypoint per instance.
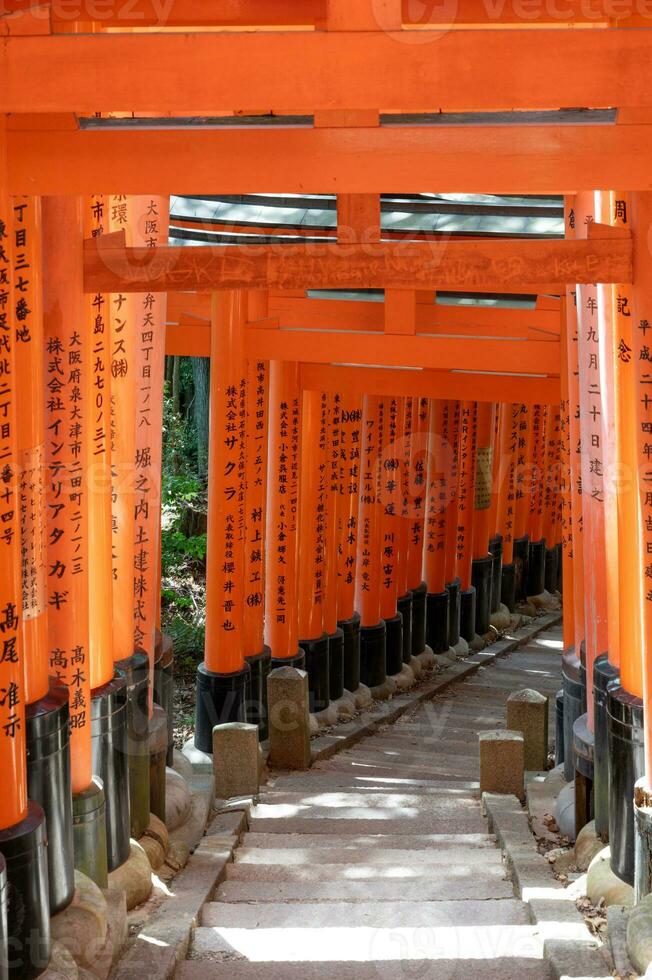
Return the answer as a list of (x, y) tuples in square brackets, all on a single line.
[(391, 502), (453, 585), (417, 505), (551, 499), (483, 528), (373, 668), (257, 654), (437, 500), (632, 701), (334, 489), (522, 500), (404, 600), (22, 823), (281, 552), (47, 703), (593, 449), (311, 583), (100, 518), (465, 509), (223, 677), (508, 435), (68, 401), (348, 618), (536, 562)]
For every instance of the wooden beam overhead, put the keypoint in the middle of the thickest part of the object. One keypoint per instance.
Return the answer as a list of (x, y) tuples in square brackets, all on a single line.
[(275, 13), (432, 384), (386, 350), (469, 264), (175, 72), (329, 314), (531, 159)]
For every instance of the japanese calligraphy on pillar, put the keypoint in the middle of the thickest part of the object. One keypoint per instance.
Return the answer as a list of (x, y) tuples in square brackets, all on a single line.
[(536, 479), (437, 495), (391, 504), (67, 372), (349, 477), (30, 420), (13, 804), (467, 453), (453, 476), (256, 461), (149, 219), (418, 472)]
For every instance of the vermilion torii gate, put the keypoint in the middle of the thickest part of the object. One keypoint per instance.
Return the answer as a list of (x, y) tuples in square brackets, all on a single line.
[(356, 448)]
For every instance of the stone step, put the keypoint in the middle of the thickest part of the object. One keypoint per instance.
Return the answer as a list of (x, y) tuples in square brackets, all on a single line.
[(415, 842), (451, 767), (517, 968), (476, 884), (370, 822), (319, 943), (429, 744), (343, 915), (353, 805), (372, 856), (375, 769), (331, 778), (400, 872)]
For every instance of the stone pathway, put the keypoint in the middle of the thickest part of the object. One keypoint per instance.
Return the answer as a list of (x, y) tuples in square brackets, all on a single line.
[(378, 863)]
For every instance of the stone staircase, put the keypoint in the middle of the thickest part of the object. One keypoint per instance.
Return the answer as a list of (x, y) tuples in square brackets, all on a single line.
[(378, 863)]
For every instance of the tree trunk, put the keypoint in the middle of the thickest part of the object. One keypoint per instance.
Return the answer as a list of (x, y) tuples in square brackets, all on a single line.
[(201, 377), (176, 385)]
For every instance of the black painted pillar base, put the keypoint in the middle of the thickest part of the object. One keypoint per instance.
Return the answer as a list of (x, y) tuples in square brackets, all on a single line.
[(521, 562), (481, 578), (508, 586), (560, 746), (404, 606), (394, 645), (419, 619), (604, 675), (643, 840), (351, 629), (454, 612), (111, 765), (221, 698), (626, 766), (582, 674), (318, 670), (552, 572), (336, 663), (164, 689), (49, 783), (437, 621), (135, 670), (89, 833), (467, 614), (373, 658), (496, 551), (583, 746), (4, 928), (536, 572), (573, 706), (23, 847), (560, 567), (259, 665), (158, 750)]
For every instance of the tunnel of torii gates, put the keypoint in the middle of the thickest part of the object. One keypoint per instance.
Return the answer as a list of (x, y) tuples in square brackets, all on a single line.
[(383, 475)]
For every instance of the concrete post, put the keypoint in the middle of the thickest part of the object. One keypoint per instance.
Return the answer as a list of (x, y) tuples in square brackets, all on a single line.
[(289, 722), (501, 763), (527, 712), (236, 760)]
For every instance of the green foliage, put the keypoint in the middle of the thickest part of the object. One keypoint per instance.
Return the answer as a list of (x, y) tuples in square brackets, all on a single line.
[(183, 552)]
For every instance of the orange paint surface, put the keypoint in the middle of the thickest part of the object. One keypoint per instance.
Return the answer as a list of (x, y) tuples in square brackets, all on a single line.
[(26, 308), (68, 415), (13, 800), (391, 504), (224, 649), (285, 403), (466, 492), (483, 527), (438, 492), (347, 507), (369, 515), (312, 515), (418, 489)]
